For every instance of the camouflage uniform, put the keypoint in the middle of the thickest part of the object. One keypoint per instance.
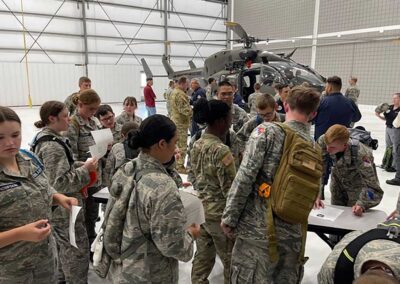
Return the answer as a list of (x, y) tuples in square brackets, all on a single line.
[(116, 132), (162, 222), (115, 159), (26, 197), (233, 145), (352, 92), (246, 212), (244, 133), (354, 182), (213, 170), (252, 103), (74, 263), (80, 139), (380, 250), (181, 113), (239, 117), (71, 107), (124, 117), (167, 97)]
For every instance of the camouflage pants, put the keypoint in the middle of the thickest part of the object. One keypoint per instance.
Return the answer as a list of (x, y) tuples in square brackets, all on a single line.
[(182, 130), (211, 242), (251, 263), (73, 263), (43, 271)]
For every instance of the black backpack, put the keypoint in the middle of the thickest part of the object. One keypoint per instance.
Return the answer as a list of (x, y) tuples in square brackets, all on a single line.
[(359, 133), (65, 145)]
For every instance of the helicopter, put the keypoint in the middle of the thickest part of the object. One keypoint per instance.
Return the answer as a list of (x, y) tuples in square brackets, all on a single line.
[(248, 65)]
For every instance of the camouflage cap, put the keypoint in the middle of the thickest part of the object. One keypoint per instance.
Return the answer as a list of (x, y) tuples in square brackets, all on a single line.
[(385, 251)]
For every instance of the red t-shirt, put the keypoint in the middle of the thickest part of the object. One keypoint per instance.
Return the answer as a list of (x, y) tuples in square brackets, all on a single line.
[(149, 96)]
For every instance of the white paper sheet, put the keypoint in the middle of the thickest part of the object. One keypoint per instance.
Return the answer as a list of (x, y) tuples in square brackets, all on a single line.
[(194, 210), (327, 213), (102, 138), (72, 220), (102, 193)]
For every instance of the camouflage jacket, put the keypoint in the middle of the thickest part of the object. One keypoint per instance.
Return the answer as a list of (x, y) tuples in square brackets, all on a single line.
[(161, 221), (352, 92), (252, 103), (233, 145), (124, 118), (380, 250), (181, 111), (80, 139), (71, 107), (213, 170), (25, 197), (244, 133), (239, 117), (245, 210), (358, 178), (64, 178)]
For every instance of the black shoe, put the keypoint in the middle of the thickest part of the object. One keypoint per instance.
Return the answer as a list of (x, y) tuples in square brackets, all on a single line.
[(394, 181), (390, 170)]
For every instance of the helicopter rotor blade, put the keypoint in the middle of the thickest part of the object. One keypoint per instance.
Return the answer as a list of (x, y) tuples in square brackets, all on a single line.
[(237, 29)]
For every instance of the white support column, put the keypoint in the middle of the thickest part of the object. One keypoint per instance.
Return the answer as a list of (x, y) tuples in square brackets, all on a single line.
[(231, 18), (315, 34)]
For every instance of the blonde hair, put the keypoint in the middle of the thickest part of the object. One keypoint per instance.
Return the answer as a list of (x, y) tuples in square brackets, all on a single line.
[(337, 132), (264, 101)]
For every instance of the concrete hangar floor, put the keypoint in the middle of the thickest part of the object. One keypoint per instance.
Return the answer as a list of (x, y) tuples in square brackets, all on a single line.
[(316, 249)]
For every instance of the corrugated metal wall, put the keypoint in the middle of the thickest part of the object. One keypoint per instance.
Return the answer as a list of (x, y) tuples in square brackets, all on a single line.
[(368, 56), (57, 81)]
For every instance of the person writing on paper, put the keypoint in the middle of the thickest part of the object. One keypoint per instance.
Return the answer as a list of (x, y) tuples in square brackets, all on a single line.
[(213, 168), (80, 138), (67, 177), (26, 244), (354, 181), (159, 231)]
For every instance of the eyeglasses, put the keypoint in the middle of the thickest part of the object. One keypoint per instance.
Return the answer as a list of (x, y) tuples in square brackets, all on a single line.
[(230, 94), (266, 114), (108, 118)]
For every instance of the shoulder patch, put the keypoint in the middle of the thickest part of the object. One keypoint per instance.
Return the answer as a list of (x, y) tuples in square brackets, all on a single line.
[(366, 161), (228, 159), (260, 130)]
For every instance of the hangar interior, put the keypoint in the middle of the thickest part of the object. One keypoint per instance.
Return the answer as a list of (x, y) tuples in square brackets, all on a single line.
[(46, 45)]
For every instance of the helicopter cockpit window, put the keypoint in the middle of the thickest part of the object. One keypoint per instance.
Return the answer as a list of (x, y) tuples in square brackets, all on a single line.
[(296, 74)]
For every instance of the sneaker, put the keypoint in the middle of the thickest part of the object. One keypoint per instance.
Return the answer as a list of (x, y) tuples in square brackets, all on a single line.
[(391, 170), (394, 181)]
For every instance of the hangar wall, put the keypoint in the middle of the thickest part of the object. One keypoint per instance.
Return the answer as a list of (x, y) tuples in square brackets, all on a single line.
[(54, 30), (368, 45)]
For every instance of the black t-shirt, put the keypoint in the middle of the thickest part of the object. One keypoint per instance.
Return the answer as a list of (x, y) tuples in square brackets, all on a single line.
[(281, 109), (390, 115)]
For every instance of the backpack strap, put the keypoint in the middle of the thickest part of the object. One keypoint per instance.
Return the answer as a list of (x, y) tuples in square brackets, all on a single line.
[(344, 269), (354, 151), (47, 138), (35, 159)]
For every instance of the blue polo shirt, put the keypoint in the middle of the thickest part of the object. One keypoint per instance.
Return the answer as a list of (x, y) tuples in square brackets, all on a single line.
[(335, 109)]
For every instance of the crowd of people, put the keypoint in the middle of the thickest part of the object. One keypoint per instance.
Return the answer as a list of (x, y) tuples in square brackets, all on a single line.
[(234, 162)]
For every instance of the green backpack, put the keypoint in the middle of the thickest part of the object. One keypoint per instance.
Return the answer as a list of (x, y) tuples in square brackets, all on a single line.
[(295, 185)]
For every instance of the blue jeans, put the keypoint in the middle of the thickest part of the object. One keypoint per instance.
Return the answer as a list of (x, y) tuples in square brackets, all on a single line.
[(151, 110)]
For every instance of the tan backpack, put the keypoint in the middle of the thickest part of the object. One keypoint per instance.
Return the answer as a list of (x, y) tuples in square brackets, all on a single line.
[(295, 186)]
